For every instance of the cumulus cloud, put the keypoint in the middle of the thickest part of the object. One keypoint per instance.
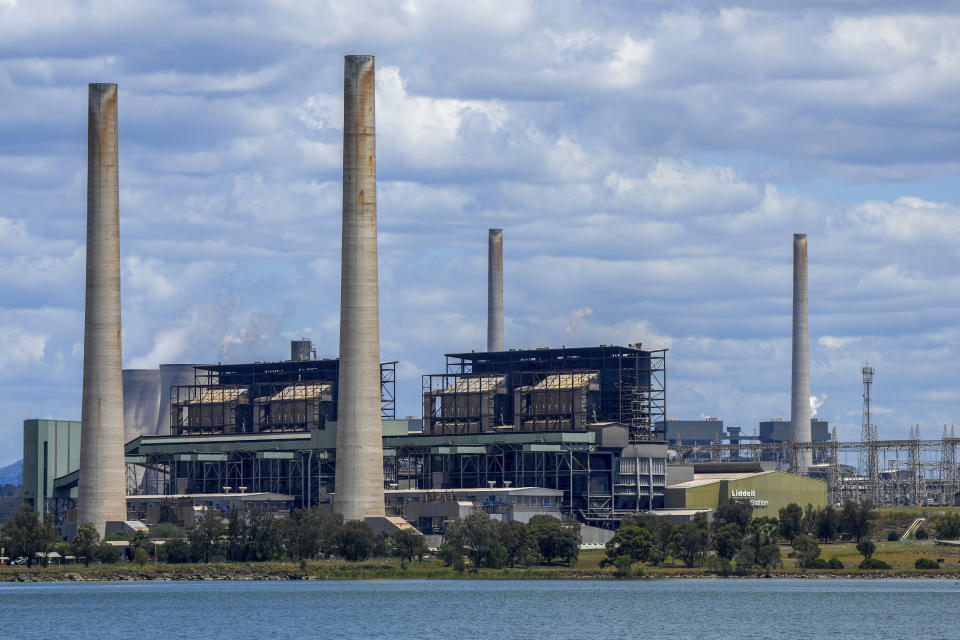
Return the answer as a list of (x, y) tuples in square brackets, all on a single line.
[(648, 163)]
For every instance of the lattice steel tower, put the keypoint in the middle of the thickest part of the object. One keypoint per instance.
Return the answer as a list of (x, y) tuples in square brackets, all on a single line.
[(868, 435)]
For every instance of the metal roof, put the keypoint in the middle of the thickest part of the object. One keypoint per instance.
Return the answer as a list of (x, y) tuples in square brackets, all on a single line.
[(703, 479), (299, 392)]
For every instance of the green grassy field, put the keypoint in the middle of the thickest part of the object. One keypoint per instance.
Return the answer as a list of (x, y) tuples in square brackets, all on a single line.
[(900, 557)]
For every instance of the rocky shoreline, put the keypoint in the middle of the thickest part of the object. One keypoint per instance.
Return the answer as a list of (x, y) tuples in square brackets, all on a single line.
[(372, 571)]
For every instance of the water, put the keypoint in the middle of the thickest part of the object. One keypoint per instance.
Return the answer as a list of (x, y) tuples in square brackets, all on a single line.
[(416, 609)]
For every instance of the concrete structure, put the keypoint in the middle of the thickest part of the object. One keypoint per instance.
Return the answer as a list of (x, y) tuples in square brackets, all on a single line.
[(141, 402), (431, 510), (779, 430), (767, 491), (102, 488), (495, 291), (359, 473), (692, 432), (183, 509), (800, 379), (51, 449)]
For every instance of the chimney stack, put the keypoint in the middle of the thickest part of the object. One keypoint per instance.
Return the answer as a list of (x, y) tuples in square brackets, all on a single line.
[(495, 291), (102, 477), (800, 383), (358, 492)]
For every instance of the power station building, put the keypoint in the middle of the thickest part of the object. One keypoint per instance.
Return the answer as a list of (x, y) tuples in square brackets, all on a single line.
[(272, 427), (711, 485)]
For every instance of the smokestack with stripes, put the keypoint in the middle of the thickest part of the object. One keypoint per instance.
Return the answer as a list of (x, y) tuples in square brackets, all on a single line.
[(358, 490), (800, 383), (495, 291), (102, 494)]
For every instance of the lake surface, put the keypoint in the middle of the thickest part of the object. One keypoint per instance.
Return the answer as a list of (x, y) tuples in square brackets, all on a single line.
[(417, 609)]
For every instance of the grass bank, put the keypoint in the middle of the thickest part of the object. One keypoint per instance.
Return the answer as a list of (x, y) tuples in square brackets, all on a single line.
[(901, 558)]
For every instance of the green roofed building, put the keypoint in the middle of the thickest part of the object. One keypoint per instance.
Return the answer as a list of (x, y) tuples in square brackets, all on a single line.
[(51, 451), (767, 491)]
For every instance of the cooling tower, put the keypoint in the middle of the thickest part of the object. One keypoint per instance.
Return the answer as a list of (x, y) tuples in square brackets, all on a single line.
[(141, 402), (102, 485), (800, 383), (358, 491), (495, 291)]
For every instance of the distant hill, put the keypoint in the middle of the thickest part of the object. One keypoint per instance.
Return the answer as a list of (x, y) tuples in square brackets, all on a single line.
[(12, 473)]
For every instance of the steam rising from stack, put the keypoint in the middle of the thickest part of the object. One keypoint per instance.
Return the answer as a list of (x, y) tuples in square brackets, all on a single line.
[(800, 383), (359, 470), (495, 291), (102, 483)]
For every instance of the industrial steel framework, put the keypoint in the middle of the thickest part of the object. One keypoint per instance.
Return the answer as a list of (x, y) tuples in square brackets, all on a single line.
[(293, 395), (911, 471), (632, 381), (599, 486)]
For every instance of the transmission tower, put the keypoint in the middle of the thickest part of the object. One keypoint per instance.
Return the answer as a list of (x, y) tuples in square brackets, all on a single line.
[(868, 435)]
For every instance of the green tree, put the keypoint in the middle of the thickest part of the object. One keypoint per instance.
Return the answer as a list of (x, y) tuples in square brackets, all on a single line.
[(354, 540), (140, 556), (745, 560), (521, 547), (806, 549), (477, 537), (635, 543), (761, 533), (163, 530), (554, 539), (791, 521), (106, 553), (26, 535), (826, 524), (856, 519), (948, 526), (738, 512), (176, 551), (84, 544), (448, 553), (866, 549), (264, 541), (409, 544), (691, 541), (235, 536), (809, 523), (205, 537), (768, 556), (727, 540), (310, 531)]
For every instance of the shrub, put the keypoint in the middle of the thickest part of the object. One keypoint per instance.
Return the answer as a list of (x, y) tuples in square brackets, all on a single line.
[(921, 534), (176, 551), (926, 563), (866, 548), (892, 536), (873, 563), (448, 553), (163, 530), (720, 566), (817, 563), (624, 566), (140, 556), (459, 564), (835, 563)]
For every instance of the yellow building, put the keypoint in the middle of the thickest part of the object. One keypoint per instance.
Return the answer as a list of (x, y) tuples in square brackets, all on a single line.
[(767, 491)]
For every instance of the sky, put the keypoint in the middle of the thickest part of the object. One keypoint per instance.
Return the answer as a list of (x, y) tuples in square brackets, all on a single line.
[(648, 162)]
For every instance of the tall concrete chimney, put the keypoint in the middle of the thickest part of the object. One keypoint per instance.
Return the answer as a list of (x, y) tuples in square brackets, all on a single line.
[(102, 477), (358, 491), (495, 291), (800, 383)]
